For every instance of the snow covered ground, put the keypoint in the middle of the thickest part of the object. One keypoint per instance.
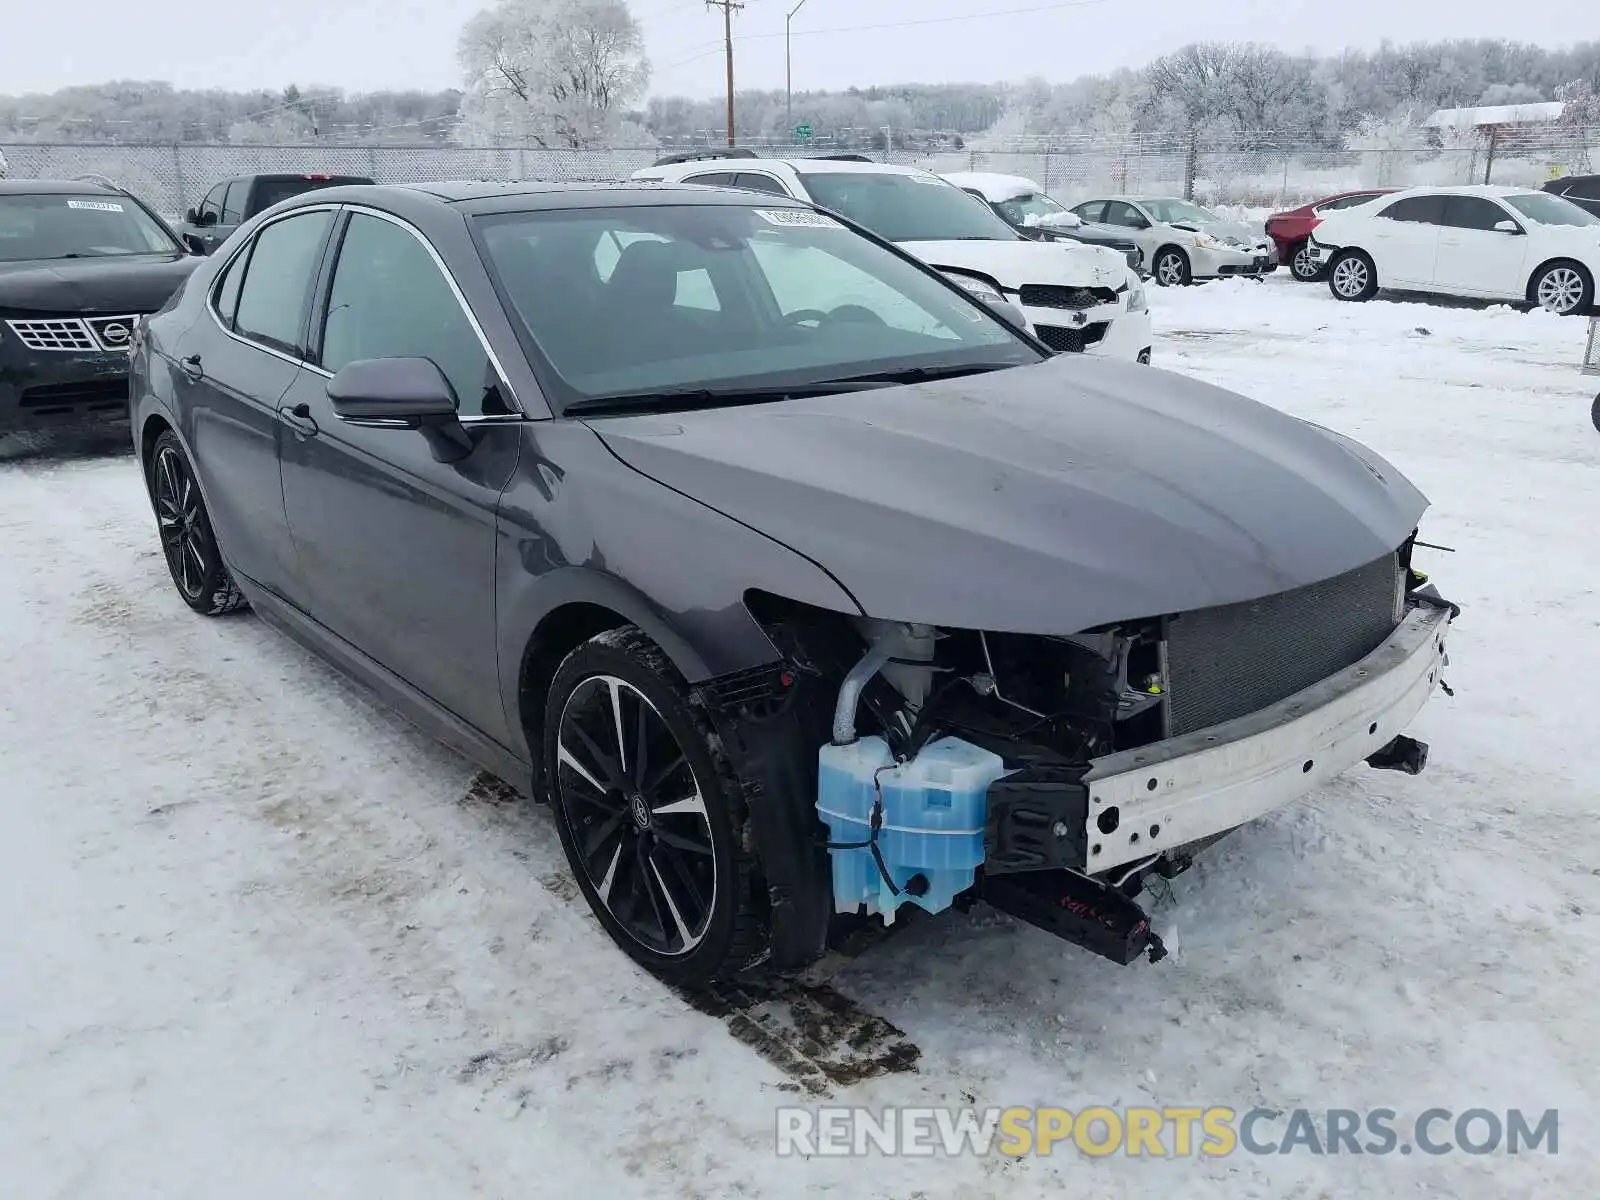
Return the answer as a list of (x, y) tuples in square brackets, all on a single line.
[(260, 939)]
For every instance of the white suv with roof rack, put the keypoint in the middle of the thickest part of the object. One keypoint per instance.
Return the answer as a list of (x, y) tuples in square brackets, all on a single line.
[(1075, 297)]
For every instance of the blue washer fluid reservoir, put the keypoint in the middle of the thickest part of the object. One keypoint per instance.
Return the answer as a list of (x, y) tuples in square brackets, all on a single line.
[(934, 809)]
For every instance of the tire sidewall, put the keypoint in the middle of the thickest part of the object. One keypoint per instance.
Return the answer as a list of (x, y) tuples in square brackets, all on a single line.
[(217, 581), (598, 657), (1585, 299), (1367, 291), (1183, 264), (1295, 259)]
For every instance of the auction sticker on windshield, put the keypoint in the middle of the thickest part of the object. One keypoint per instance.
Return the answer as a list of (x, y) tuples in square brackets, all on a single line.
[(96, 205), (797, 216)]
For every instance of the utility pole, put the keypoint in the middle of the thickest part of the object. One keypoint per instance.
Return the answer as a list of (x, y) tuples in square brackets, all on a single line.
[(788, 72), (727, 7)]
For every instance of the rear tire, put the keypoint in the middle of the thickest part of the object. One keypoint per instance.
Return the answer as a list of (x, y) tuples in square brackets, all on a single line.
[(187, 540), (650, 812), (1301, 265), (1171, 267), (1564, 288), (1352, 276)]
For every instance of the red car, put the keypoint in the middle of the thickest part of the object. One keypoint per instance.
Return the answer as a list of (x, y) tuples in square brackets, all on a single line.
[(1289, 230)]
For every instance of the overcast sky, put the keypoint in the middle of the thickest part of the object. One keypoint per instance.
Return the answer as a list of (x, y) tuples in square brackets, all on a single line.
[(362, 45)]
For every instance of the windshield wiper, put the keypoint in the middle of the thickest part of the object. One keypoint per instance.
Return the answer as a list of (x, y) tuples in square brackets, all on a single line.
[(925, 374), (691, 398)]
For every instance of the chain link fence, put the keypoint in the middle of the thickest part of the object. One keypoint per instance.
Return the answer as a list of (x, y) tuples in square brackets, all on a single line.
[(1248, 172)]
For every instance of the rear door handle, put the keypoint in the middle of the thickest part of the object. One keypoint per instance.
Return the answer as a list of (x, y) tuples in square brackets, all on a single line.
[(192, 368), (299, 419)]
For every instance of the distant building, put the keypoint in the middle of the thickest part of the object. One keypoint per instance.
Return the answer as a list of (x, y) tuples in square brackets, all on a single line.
[(1500, 124)]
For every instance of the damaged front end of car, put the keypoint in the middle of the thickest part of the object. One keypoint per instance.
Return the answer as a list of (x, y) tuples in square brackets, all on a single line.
[(889, 763)]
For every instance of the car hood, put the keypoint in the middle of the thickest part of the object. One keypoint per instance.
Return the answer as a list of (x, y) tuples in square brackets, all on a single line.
[(1012, 264), (135, 284), (1039, 499)]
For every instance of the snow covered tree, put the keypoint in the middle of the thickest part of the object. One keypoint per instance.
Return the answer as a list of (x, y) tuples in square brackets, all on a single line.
[(555, 73)]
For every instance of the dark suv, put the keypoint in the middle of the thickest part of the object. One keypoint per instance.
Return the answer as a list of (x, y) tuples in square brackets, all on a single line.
[(234, 201), (80, 263), (1582, 190)]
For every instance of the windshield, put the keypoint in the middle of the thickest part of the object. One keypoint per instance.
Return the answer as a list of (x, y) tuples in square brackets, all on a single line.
[(50, 226), (1169, 212), (1550, 210), (1018, 209), (628, 301), (908, 208)]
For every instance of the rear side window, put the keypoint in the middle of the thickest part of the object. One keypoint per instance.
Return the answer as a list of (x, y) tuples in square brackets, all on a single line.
[(761, 183), (1473, 212), (1425, 210), (277, 282), (714, 179), (390, 300), (1091, 211), (270, 190)]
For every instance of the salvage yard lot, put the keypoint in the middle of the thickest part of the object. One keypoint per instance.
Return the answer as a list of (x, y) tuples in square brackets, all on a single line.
[(261, 938)]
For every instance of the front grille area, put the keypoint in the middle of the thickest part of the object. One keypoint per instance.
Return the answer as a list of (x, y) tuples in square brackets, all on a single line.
[(1050, 295), (90, 395), (1071, 341), (75, 335), (1235, 659)]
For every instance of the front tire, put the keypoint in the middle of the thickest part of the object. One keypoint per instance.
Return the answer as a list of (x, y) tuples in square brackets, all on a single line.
[(1563, 288), (187, 540), (1302, 266), (1171, 267), (649, 812), (1352, 276)]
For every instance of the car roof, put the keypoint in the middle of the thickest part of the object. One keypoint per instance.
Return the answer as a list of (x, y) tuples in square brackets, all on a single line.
[(1493, 190), (491, 196), (995, 187), (55, 187)]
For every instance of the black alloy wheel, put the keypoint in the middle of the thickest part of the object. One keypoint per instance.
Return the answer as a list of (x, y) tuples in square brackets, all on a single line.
[(644, 803), (187, 540)]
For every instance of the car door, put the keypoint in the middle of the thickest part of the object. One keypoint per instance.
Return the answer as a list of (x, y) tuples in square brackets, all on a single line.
[(1138, 224), (1403, 240), (236, 362), (398, 548), (1475, 258), (199, 234)]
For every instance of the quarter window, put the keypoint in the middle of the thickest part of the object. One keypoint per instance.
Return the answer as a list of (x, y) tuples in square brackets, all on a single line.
[(390, 300), (227, 293), (751, 181), (277, 282), (713, 179)]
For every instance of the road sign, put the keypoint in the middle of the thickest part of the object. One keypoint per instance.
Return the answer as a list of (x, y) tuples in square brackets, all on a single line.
[(802, 133)]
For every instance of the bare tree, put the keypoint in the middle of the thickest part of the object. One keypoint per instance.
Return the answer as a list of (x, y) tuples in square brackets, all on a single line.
[(554, 72)]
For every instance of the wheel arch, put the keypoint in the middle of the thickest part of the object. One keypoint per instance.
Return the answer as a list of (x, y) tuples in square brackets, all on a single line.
[(155, 424)]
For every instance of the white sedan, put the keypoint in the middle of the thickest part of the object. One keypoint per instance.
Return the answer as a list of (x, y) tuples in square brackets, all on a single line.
[(1491, 243)]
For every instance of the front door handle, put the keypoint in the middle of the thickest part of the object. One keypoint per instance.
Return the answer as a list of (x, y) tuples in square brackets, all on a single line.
[(192, 368), (300, 420)]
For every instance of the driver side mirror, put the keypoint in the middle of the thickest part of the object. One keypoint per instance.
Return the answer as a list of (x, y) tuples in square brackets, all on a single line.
[(401, 393), (1506, 227)]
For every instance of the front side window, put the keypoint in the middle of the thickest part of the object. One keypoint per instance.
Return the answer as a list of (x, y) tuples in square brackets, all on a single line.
[(237, 200), (1424, 210), (672, 298), (907, 208), (277, 280), (1473, 212), (211, 206), (45, 227), (390, 300), (1546, 209)]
